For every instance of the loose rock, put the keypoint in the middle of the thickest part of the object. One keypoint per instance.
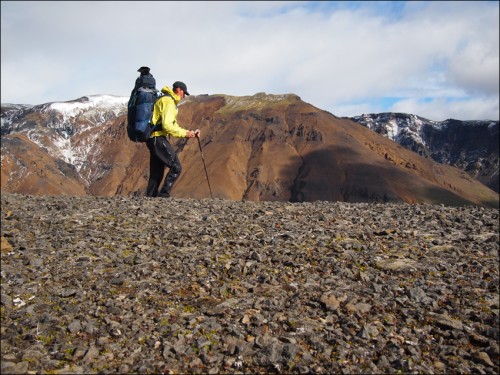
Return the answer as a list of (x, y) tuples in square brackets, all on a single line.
[(141, 285)]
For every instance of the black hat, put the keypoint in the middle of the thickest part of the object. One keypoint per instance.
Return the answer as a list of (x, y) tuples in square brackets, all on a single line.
[(182, 86), (143, 69)]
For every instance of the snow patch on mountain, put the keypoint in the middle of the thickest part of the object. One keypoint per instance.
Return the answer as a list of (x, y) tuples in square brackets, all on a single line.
[(392, 129), (78, 117), (398, 127), (59, 130), (64, 148), (74, 108)]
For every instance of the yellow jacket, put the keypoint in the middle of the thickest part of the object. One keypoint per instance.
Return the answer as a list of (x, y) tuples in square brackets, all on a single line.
[(165, 111)]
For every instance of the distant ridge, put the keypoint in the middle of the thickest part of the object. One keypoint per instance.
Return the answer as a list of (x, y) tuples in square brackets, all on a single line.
[(472, 146), (260, 147)]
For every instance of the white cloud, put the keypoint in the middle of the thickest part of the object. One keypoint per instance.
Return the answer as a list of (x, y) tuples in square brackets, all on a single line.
[(441, 109), (338, 56), (476, 69)]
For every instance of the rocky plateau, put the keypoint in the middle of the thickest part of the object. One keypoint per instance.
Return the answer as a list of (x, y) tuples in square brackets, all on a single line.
[(141, 285)]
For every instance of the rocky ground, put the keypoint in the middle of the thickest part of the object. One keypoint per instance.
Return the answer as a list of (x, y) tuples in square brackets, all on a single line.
[(122, 285)]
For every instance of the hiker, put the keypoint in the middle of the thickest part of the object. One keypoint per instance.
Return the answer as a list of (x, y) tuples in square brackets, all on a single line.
[(162, 153)]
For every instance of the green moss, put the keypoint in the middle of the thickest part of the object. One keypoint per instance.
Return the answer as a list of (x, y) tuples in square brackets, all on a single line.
[(45, 339), (256, 102), (188, 309)]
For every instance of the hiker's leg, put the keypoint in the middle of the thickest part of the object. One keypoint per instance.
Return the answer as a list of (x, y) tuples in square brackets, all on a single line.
[(166, 153), (156, 169), (172, 176)]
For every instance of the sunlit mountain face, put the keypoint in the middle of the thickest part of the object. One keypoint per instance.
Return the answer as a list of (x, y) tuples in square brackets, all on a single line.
[(260, 147)]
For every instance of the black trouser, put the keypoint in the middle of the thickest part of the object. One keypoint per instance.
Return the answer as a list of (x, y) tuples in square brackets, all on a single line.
[(162, 155)]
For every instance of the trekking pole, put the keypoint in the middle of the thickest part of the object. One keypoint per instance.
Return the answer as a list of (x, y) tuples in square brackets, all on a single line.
[(204, 166)]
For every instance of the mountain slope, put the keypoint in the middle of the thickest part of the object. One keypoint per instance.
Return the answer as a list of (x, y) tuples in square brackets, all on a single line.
[(469, 145), (29, 169), (262, 147)]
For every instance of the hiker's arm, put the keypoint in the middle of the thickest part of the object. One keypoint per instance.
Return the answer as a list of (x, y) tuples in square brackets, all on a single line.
[(193, 133), (169, 123)]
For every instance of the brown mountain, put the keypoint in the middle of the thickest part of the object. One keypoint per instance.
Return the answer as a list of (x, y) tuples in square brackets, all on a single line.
[(261, 147), (468, 145), (29, 169)]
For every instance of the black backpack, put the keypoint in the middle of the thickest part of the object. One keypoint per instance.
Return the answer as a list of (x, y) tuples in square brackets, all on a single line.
[(145, 80), (140, 108)]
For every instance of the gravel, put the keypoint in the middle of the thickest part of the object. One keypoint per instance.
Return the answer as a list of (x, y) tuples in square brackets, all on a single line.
[(144, 285)]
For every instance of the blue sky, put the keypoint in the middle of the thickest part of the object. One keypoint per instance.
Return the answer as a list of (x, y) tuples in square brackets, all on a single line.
[(434, 59)]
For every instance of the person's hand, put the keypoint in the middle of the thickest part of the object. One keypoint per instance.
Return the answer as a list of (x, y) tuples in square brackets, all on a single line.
[(190, 134)]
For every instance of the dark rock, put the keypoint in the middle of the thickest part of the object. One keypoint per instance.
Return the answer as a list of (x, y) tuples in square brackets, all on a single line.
[(259, 287)]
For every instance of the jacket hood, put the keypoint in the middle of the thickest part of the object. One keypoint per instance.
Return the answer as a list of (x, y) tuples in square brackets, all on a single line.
[(168, 91)]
